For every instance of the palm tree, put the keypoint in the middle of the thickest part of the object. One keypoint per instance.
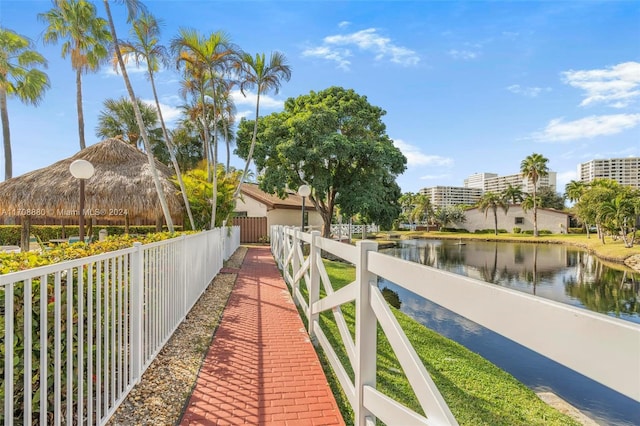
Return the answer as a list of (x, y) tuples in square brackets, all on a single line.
[(118, 120), (19, 76), (574, 190), (513, 194), (533, 168), (146, 48), (87, 41), (423, 209), (491, 201), (256, 72), (205, 60), (133, 8)]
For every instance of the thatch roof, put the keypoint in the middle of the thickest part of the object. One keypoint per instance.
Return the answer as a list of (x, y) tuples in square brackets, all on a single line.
[(122, 181)]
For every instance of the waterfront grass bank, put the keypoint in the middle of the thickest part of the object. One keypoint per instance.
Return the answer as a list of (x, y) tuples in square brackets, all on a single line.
[(477, 392)]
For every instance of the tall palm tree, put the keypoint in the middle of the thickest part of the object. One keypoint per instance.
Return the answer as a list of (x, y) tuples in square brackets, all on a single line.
[(145, 47), (134, 7), (20, 77), (256, 73), (513, 194), (533, 168), (492, 201), (205, 61), (87, 40)]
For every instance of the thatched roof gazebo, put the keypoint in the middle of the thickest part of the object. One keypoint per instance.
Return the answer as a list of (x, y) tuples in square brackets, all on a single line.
[(122, 186)]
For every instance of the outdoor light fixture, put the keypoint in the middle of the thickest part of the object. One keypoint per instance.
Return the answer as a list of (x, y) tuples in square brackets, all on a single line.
[(81, 170), (304, 191)]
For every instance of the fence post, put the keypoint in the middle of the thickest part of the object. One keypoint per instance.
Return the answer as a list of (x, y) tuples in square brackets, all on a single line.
[(366, 328), (314, 285), (295, 264), (137, 306)]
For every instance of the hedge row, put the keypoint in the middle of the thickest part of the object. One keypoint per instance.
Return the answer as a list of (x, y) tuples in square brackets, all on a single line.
[(10, 234)]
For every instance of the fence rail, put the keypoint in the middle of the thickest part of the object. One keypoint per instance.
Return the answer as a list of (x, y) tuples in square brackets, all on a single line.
[(77, 335), (574, 337)]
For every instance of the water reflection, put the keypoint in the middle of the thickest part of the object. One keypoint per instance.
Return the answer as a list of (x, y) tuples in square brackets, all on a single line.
[(565, 274), (561, 273)]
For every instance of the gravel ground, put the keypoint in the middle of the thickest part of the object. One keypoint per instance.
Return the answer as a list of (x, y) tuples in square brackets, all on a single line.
[(160, 396)]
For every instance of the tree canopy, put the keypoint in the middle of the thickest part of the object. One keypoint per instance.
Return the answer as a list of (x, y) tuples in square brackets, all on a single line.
[(334, 141)]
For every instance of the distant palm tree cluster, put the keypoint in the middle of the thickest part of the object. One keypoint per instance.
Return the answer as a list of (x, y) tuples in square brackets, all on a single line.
[(611, 208), (211, 66)]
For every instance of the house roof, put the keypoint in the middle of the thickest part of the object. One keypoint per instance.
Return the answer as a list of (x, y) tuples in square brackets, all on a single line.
[(293, 200)]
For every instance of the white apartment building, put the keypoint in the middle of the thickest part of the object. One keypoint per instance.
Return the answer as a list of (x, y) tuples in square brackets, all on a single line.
[(494, 183), (625, 171), (452, 195)]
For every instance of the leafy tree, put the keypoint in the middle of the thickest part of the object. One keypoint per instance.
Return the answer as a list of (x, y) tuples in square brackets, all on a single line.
[(199, 187), (492, 201), (256, 72), (514, 194), (134, 7), (20, 77), (87, 39), (145, 47), (598, 192), (407, 205), (334, 141), (550, 199), (447, 215), (533, 168)]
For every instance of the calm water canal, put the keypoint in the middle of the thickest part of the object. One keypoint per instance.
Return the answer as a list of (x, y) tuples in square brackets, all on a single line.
[(564, 274)]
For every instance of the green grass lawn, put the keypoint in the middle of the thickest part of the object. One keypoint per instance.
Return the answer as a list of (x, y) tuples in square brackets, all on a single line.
[(477, 392)]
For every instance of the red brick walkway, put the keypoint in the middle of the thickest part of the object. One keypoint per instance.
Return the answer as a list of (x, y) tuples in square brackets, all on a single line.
[(261, 368)]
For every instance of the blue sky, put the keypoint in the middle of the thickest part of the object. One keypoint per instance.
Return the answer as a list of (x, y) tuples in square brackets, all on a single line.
[(467, 86)]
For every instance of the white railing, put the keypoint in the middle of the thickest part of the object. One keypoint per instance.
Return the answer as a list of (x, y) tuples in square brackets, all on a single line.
[(574, 337), (78, 335), (345, 230)]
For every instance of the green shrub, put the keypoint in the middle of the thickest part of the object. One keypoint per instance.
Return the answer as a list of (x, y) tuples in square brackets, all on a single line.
[(517, 229)]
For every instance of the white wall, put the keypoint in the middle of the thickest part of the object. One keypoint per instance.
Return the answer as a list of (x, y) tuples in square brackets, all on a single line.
[(253, 207), (286, 217), (556, 222)]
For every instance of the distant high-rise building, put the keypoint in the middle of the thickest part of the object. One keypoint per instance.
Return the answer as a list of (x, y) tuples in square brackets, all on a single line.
[(477, 180), (494, 183), (625, 171), (452, 195)]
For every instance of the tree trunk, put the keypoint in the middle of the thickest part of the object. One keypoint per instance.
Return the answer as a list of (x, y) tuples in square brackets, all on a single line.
[(79, 108), (145, 138), (214, 182), (172, 154), (251, 148), (25, 233), (6, 135)]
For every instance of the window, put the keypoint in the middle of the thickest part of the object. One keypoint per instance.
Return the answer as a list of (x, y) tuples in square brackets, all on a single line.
[(519, 220), (240, 214)]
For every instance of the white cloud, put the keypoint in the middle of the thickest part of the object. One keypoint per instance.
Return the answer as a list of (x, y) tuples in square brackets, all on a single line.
[(531, 92), (336, 48), (463, 54), (417, 158), (344, 24), (169, 113), (588, 127), (616, 86), (266, 101)]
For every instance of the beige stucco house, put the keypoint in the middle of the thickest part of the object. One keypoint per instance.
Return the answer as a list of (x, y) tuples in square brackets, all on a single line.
[(555, 221), (257, 203)]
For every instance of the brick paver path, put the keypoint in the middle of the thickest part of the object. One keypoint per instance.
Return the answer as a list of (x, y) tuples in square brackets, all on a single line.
[(261, 367)]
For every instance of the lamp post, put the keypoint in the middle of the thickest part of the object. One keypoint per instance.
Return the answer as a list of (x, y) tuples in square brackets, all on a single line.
[(81, 170), (304, 191)]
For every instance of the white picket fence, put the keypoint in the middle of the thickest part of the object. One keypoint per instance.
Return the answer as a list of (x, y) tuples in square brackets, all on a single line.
[(346, 230), (574, 337), (78, 335)]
